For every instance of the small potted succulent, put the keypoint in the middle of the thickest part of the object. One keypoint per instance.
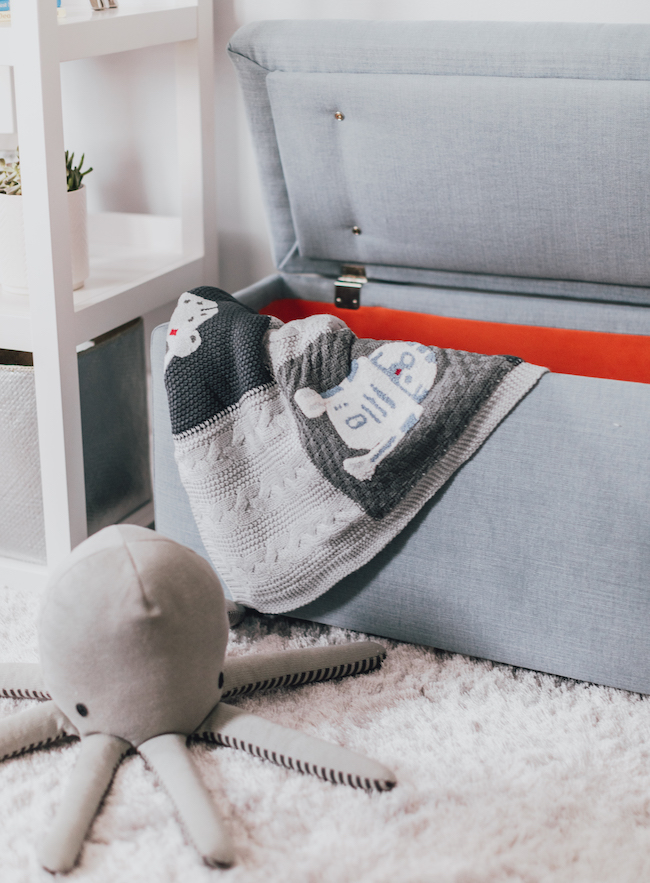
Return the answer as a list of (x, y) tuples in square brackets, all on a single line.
[(13, 261)]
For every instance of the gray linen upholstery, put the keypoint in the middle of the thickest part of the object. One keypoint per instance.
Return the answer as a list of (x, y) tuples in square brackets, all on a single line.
[(549, 312), (172, 508), (581, 143), (527, 141), (479, 49)]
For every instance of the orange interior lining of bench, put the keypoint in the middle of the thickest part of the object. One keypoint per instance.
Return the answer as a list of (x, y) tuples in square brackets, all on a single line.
[(587, 353)]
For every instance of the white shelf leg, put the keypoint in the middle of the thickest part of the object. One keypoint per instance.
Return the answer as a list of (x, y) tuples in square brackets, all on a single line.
[(40, 130), (196, 142)]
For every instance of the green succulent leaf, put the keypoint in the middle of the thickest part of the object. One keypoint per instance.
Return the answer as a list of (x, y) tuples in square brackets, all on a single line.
[(74, 174)]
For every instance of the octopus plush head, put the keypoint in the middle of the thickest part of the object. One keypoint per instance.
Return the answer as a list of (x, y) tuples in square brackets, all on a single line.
[(133, 635)]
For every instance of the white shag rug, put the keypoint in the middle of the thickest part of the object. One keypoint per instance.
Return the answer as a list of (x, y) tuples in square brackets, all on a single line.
[(503, 775)]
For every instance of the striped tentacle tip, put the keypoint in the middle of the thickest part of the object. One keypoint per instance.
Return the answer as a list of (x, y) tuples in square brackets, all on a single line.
[(336, 777), (312, 676), (19, 693), (333, 776), (358, 782), (35, 746), (361, 666)]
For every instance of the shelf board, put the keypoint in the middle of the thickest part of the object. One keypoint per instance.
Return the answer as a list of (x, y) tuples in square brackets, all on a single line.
[(21, 575), (136, 265), (84, 32)]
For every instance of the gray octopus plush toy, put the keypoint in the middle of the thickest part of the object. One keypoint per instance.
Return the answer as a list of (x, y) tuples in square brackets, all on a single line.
[(133, 635)]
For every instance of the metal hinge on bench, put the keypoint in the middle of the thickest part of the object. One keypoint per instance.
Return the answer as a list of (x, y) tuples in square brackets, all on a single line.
[(347, 290)]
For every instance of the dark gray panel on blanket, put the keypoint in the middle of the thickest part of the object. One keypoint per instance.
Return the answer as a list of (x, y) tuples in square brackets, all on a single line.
[(198, 385), (368, 384)]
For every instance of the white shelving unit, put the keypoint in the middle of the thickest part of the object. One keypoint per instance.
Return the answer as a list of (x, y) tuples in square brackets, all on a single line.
[(138, 262)]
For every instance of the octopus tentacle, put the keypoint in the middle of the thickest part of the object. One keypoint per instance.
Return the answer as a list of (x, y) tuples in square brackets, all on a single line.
[(172, 762), (100, 756), (235, 728), (244, 675), (33, 728)]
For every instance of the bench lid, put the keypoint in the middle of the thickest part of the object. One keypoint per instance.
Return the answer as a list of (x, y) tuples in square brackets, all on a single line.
[(511, 157)]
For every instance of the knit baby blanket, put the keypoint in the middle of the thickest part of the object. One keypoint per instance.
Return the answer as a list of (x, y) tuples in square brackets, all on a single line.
[(304, 450)]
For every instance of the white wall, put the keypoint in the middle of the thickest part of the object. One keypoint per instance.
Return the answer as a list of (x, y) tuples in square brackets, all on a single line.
[(450, 10), (119, 110)]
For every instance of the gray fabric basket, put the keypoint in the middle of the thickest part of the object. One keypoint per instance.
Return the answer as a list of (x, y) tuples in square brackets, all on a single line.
[(112, 382)]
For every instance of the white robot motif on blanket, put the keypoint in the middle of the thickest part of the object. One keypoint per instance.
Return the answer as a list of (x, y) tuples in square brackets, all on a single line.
[(133, 635), (183, 336), (377, 403)]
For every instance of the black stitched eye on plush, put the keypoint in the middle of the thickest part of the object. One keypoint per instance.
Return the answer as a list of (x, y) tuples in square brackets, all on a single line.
[(221, 680), (83, 711)]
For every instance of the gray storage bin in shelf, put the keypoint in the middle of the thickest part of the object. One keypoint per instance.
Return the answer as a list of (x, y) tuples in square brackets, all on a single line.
[(113, 393)]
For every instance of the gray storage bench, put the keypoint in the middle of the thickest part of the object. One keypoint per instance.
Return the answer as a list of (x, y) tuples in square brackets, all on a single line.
[(493, 172)]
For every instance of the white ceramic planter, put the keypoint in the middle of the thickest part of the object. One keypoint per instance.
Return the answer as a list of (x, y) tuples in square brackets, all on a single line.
[(13, 262), (78, 236)]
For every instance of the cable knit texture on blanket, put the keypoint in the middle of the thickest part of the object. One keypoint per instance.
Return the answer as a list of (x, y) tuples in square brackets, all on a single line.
[(304, 450)]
